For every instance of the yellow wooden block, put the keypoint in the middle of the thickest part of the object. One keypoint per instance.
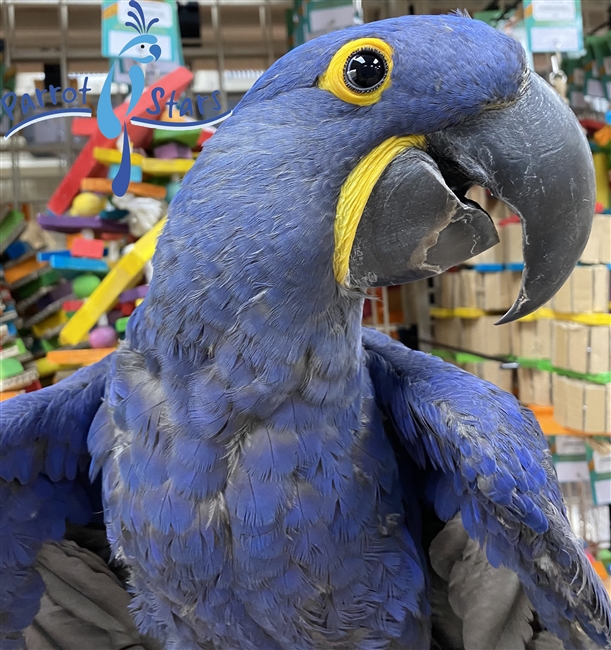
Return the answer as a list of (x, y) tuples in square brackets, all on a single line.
[(57, 319), (45, 367), (118, 280), (162, 167), (113, 156)]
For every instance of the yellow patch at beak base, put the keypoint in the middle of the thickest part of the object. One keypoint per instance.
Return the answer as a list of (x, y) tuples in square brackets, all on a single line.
[(355, 193)]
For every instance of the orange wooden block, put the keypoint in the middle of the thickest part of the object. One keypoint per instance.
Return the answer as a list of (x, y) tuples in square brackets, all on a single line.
[(15, 273), (7, 394), (78, 357), (71, 238), (104, 186)]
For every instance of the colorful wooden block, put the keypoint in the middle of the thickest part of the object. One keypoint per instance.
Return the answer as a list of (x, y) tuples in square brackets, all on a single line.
[(78, 357), (11, 226), (158, 167), (92, 248), (104, 186), (50, 326), (10, 367), (110, 157), (23, 273), (172, 150), (135, 173), (67, 224), (133, 294), (72, 306), (86, 165), (124, 274), (70, 265), (17, 249)]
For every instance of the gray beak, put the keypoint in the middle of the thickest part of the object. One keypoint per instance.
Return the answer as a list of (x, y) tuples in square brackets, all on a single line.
[(531, 154)]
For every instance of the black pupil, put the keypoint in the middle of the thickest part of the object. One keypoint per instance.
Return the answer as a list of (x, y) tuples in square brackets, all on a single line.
[(142, 46), (365, 70)]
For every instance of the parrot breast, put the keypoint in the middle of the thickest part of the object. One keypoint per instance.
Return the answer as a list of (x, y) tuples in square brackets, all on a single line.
[(258, 509)]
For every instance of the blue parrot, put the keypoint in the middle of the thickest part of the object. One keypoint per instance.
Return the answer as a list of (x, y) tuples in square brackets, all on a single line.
[(142, 49), (273, 476)]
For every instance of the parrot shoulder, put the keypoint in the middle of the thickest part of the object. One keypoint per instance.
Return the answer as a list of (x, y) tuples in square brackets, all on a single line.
[(491, 463)]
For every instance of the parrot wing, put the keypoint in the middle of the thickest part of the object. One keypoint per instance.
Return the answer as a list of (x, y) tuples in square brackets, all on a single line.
[(44, 481), (488, 460)]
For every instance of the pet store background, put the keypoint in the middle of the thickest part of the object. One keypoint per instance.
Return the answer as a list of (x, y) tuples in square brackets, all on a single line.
[(75, 259)]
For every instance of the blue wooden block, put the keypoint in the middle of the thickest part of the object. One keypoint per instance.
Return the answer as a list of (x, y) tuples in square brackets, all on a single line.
[(135, 174), (488, 268), (17, 249), (69, 265), (45, 256)]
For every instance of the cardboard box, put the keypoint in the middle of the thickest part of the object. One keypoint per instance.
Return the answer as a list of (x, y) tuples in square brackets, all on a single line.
[(560, 345), (481, 336), (493, 292), (487, 291), (535, 386), (582, 348), (559, 402), (491, 371), (467, 282), (598, 248), (599, 358), (574, 398), (594, 411), (449, 290), (448, 331), (532, 339), (511, 238), (586, 291), (582, 405)]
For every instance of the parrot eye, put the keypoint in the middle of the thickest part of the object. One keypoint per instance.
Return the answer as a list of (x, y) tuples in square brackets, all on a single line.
[(359, 72), (142, 46), (365, 71)]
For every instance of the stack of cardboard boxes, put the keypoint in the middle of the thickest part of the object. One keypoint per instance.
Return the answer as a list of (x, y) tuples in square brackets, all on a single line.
[(562, 352)]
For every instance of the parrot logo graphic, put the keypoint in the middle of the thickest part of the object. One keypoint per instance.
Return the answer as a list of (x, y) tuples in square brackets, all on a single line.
[(142, 49)]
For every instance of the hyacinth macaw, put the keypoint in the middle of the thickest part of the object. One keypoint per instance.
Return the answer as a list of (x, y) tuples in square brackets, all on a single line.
[(272, 476)]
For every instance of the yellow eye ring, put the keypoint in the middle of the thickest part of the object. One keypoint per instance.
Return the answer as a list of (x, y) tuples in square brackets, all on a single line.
[(334, 78)]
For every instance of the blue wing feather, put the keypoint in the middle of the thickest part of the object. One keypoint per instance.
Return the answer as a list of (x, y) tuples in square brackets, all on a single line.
[(493, 465), (43, 483)]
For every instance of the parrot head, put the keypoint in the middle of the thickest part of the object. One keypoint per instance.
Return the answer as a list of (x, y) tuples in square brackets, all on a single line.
[(347, 164)]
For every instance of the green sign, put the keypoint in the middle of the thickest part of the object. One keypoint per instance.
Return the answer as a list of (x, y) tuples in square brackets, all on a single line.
[(116, 34), (311, 18), (554, 25)]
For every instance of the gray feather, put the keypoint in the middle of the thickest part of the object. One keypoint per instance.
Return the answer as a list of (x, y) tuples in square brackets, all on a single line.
[(545, 641), (448, 547), (489, 605), (84, 605), (495, 611)]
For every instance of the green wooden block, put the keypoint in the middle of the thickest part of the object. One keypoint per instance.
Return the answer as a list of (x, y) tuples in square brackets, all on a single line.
[(121, 324), (11, 227), (188, 138), (46, 279), (10, 367)]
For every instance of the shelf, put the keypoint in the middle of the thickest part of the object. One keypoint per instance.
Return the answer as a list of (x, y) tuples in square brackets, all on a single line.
[(549, 426)]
